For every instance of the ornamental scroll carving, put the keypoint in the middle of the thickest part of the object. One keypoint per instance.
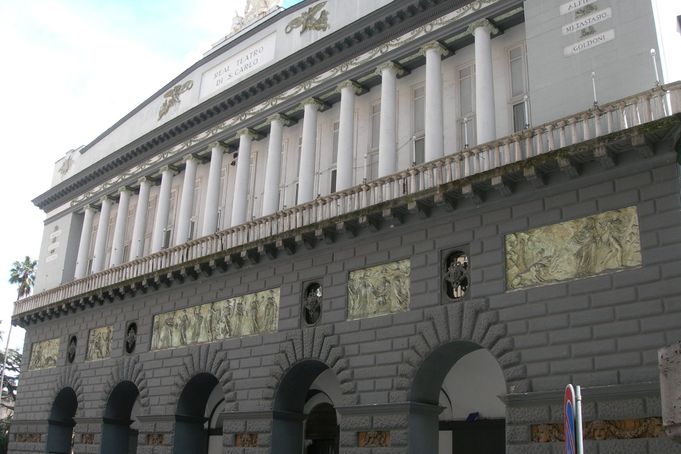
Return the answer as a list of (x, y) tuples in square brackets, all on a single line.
[(246, 440), (602, 430), (255, 313), (172, 97), (379, 290), (44, 354), (574, 249), (309, 20), (373, 439)]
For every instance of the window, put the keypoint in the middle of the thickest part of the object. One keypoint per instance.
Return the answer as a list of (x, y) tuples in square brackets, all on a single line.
[(419, 125), (167, 235), (518, 89), (333, 181), (334, 156), (467, 134), (371, 158)]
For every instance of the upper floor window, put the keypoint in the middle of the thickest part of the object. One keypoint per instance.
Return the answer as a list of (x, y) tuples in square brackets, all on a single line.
[(419, 124), (466, 121), (518, 88), (371, 158), (334, 156)]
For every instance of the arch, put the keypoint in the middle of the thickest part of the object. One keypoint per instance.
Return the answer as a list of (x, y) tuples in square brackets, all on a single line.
[(117, 435), (191, 435), (429, 380), (60, 423), (288, 428)]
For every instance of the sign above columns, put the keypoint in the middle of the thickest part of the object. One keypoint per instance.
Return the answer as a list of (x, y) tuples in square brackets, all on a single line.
[(237, 66)]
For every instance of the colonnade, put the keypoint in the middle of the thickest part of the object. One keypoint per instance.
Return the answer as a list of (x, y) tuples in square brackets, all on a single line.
[(349, 90)]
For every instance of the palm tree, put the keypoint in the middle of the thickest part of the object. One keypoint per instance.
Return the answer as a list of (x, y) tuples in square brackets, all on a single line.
[(23, 274)]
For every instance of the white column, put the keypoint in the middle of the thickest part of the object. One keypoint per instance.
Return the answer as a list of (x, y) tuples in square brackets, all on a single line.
[(434, 140), (308, 151), (210, 211), (243, 170), (387, 139), (101, 237), (346, 134), (484, 80), (84, 245), (162, 209), (119, 227), (140, 226), (187, 200), (270, 203)]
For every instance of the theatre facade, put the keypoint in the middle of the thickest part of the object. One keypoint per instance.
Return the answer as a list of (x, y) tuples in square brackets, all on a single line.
[(371, 227)]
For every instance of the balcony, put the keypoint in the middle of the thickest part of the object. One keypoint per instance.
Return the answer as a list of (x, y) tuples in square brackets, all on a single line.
[(593, 134)]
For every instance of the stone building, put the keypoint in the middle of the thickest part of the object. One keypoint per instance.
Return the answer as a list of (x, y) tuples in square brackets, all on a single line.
[(371, 227)]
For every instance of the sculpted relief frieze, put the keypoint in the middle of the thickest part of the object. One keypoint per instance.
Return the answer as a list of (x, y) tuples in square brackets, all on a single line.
[(304, 87), (99, 343), (379, 290), (44, 354), (256, 313), (574, 249)]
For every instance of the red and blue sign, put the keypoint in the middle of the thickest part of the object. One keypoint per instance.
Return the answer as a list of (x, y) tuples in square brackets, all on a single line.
[(569, 420)]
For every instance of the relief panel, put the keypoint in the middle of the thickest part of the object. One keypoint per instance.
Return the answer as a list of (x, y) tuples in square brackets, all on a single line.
[(379, 290), (256, 313), (99, 343), (44, 354), (574, 249)]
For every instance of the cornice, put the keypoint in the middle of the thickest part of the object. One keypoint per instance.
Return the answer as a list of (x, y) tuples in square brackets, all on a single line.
[(370, 31)]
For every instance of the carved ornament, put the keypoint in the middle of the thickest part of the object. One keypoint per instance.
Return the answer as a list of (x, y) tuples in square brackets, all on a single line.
[(315, 18), (44, 354), (379, 290), (602, 430), (373, 439), (246, 440), (172, 97), (99, 343)]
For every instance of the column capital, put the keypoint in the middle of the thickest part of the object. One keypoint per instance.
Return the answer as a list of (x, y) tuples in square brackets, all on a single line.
[(145, 179), (283, 119), (90, 207), (124, 189), (167, 168), (483, 23), (434, 45), (190, 157), (390, 65), (356, 88), (106, 198), (319, 105), (213, 145), (248, 132)]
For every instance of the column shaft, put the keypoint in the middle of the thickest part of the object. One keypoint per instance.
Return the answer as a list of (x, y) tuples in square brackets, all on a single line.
[(210, 211), (387, 146), (243, 168), (434, 141), (162, 210), (270, 202), (84, 245), (187, 201), (484, 84), (119, 228), (140, 226), (346, 135), (101, 238), (307, 153)]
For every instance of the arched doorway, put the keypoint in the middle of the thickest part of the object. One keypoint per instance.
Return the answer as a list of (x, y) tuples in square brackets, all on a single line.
[(455, 402), (305, 419), (198, 428), (119, 436), (60, 424)]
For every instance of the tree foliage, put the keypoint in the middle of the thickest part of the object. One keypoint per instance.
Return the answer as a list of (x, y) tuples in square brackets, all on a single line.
[(23, 274)]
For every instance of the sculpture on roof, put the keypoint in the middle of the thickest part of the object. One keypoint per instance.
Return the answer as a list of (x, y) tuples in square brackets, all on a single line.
[(254, 10)]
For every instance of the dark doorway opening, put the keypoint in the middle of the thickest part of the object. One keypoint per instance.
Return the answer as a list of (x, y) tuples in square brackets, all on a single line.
[(198, 410), (321, 430), (60, 424), (487, 436), (118, 437)]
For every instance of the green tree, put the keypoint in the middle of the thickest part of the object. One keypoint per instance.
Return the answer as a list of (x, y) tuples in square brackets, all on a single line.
[(23, 274)]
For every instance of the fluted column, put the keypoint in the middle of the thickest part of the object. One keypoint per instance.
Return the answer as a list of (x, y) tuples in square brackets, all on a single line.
[(84, 245), (484, 80), (434, 139), (270, 202), (210, 209), (187, 200), (243, 167), (308, 151), (119, 228), (101, 238), (387, 139), (162, 209), (140, 226), (346, 134)]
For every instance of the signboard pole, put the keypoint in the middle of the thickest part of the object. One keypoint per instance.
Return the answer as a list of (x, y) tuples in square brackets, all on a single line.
[(578, 422)]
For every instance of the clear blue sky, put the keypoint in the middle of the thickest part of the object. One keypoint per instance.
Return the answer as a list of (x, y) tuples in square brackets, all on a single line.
[(71, 68)]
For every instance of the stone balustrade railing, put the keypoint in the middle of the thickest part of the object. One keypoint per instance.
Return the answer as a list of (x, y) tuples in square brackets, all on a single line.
[(600, 120)]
